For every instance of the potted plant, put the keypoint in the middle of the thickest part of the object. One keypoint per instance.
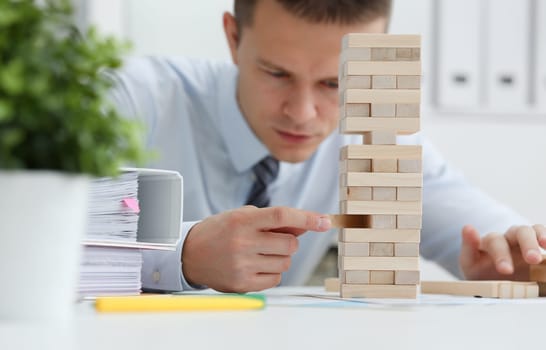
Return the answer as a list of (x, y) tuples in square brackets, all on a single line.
[(56, 132)]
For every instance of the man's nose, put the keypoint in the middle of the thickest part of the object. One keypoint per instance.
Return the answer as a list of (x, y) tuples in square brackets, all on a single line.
[(301, 105)]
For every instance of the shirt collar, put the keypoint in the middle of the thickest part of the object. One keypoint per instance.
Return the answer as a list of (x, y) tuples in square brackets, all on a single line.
[(244, 148)]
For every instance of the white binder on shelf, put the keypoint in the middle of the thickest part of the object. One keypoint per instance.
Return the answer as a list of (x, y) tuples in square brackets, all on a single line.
[(540, 76), (459, 50), (507, 55)]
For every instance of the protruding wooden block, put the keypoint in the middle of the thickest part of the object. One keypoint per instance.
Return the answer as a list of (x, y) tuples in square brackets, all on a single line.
[(378, 291), (408, 82), (355, 165), (357, 54), (382, 207), (486, 289), (406, 249), (379, 263), (408, 221), (403, 152), (357, 125), (406, 277), (356, 277), (382, 96), (384, 193), (410, 165), (381, 277), (380, 40), (382, 221), (409, 194), (355, 110), (384, 165), (356, 194), (383, 54), (380, 68), (355, 82), (353, 249), (331, 284), (408, 110), (387, 110), (350, 221), (381, 249), (384, 82), (379, 235), (382, 179), (387, 137)]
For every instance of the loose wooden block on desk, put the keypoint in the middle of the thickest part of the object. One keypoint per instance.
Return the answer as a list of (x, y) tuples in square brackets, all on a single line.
[(381, 249), (353, 249), (384, 82), (378, 291), (357, 125), (408, 81), (382, 96), (383, 110), (402, 152), (355, 165), (381, 179), (409, 165), (408, 110), (406, 277), (409, 221), (409, 194), (386, 137), (356, 277), (355, 82), (487, 289), (379, 235), (381, 277), (356, 194), (355, 110), (406, 249), (385, 165), (381, 40), (381, 207), (383, 193), (331, 284), (383, 54), (379, 263)]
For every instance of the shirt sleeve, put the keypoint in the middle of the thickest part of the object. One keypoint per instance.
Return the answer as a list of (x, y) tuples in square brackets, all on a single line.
[(449, 203)]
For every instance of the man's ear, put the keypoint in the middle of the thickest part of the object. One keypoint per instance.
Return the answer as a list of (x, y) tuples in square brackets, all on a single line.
[(232, 34)]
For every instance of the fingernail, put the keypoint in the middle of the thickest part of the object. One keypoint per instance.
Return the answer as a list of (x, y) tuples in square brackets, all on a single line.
[(533, 254), (504, 266), (324, 223)]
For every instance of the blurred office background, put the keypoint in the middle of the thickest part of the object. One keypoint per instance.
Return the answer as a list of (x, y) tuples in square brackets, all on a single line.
[(484, 76)]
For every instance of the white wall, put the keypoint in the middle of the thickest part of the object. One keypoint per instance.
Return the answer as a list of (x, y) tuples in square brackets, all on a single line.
[(505, 155)]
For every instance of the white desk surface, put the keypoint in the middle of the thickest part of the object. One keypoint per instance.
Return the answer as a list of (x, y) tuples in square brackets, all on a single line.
[(293, 321)]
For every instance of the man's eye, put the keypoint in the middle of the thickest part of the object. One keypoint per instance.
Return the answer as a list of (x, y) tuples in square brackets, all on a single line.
[(277, 74), (331, 84)]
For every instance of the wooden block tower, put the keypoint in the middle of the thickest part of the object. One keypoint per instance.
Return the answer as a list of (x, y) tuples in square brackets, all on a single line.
[(380, 181)]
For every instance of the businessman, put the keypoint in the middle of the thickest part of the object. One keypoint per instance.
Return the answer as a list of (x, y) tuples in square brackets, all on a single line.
[(255, 140)]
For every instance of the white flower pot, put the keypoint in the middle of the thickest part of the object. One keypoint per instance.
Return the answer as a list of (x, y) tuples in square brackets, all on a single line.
[(42, 223)]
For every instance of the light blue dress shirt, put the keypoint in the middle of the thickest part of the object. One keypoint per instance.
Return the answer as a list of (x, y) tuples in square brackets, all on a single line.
[(195, 125)]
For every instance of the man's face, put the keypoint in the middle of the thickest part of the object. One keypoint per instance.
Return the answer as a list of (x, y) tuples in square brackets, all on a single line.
[(288, 69)]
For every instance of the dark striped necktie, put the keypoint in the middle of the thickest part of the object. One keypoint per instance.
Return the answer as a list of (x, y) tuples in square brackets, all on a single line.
[(265, 172)]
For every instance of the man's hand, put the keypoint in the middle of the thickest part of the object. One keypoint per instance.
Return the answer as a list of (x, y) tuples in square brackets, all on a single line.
[(501, 256), (246, 249)]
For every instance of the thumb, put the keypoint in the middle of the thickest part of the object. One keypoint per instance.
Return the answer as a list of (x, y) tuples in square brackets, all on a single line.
[(470, 248)]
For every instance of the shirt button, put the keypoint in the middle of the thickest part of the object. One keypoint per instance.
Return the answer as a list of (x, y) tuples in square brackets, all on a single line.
[(156, 276)]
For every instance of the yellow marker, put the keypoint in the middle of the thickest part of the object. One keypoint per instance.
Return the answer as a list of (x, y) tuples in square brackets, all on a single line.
[(180, 303)]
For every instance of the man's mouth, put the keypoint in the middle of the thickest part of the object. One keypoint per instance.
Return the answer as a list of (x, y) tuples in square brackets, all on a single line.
[(293, 137)]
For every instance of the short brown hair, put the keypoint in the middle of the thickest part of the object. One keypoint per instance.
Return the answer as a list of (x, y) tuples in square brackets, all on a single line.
[(320, 11)]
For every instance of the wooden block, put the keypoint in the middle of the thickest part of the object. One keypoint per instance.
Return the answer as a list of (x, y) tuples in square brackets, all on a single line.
[(406, 277), (354, 249), (382, 179), (380, 40), (416, 53), (403, 54), (379, 235), (541, 289), (331, 284), (357, 125), (532, 291), (378, 291), (408, 221), (355, 165), (406, 249), (381, 277), (382, 221), (384, 82), (357, 54), (380, 263), (356, 277), (382, 96), (380, 68), (537, 273), (387, 137), (350, 221), (383, 54), (382, 207), (381, 249), (385, 165), (410, 166), (403, 152), (355, 82), (409, 194), (356, 194), (486, 289), (408, 82), (408, 110), (383, 110), (384, 193), (357, 110)]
